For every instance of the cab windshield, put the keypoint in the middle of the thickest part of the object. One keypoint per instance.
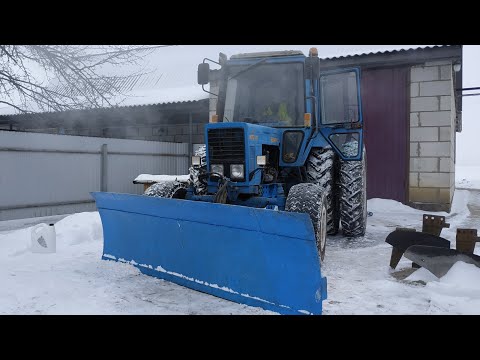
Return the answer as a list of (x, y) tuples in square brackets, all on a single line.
[(267, 94)]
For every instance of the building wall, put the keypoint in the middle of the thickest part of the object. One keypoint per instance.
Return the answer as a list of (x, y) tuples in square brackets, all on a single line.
[(432, 136)]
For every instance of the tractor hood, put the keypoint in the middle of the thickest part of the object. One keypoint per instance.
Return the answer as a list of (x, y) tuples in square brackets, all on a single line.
[(238, 144), (253, 134)]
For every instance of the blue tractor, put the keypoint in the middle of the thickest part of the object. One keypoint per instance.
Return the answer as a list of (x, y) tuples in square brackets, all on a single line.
[(283, 166)]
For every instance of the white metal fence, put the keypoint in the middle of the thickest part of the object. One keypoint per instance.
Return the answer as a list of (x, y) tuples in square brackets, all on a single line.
[(43, 174)]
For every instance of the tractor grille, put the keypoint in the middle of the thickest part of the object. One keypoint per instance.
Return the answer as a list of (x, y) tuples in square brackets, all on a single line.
[(226, 146)]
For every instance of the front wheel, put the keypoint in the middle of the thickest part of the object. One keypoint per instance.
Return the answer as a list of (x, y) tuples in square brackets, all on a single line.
[(167, 189), (321, 168), (311, 199), (196, 171)]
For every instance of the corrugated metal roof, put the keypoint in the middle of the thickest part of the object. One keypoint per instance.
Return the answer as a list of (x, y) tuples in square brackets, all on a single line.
[(142, 95), (398, 57), (385, 52), (348, 56), (148, 88), (120, 84)]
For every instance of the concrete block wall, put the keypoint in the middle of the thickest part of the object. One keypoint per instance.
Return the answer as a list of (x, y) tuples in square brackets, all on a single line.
[(432, 136)]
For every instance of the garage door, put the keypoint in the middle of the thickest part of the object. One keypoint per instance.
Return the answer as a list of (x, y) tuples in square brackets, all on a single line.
[(385, 113)]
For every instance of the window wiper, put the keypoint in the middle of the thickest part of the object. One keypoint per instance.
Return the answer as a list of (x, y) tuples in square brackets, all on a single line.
[(248, 68)]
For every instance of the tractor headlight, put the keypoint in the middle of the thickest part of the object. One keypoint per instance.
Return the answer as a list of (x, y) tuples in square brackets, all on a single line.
[(217, 168), (237, 171), (196, 160)]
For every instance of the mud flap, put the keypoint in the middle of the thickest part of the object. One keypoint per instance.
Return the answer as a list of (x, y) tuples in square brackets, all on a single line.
[(439, 260), (256, 257)]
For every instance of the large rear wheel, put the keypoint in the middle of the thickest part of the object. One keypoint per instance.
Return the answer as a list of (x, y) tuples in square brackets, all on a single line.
[(353, 196), (310, 199)]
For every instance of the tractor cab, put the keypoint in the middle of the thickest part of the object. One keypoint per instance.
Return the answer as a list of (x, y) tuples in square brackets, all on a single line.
[(268, 91), (285, 90)]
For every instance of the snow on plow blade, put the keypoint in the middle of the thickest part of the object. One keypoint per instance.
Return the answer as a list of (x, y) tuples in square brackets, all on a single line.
[(252, 256)]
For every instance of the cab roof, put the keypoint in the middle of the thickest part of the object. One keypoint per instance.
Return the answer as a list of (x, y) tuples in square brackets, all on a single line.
[(267, 54)]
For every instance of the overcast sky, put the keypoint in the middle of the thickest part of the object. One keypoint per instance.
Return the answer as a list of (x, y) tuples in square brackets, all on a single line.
[(468, 141), (186, 57)]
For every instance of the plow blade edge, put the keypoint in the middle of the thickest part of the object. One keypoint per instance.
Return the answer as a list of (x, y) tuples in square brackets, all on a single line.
[(257, 257)]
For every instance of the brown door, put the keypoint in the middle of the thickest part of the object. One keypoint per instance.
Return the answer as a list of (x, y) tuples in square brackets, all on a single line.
[(385, 114)]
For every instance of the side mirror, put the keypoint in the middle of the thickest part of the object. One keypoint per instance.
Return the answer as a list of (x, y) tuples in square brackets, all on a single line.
[(312, 66), (203, 73), (222, 59)]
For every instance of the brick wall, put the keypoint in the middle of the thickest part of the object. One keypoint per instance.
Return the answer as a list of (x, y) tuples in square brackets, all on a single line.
[(432, 136)]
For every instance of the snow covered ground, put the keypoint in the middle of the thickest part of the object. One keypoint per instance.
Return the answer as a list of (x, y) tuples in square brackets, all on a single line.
[(360, 280), (467, 177), (75, 281)]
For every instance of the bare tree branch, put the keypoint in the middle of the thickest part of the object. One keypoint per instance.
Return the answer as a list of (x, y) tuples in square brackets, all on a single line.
[(12, 105), (76, 70)]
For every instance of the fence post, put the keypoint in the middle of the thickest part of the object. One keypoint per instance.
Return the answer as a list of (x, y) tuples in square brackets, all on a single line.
[(190, 132), (103, 168)]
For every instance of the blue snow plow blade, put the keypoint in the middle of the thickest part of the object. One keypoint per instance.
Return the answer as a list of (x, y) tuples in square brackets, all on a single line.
[(257, 257)]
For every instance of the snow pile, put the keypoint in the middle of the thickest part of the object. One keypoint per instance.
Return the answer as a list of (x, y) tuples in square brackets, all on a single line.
[(72, 230), (147, 178), (460, 276), (14, 244), (422, 275), (383, 205), (390, 214), (457, 292), (463, 276), (467, 177), (79, 228)]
